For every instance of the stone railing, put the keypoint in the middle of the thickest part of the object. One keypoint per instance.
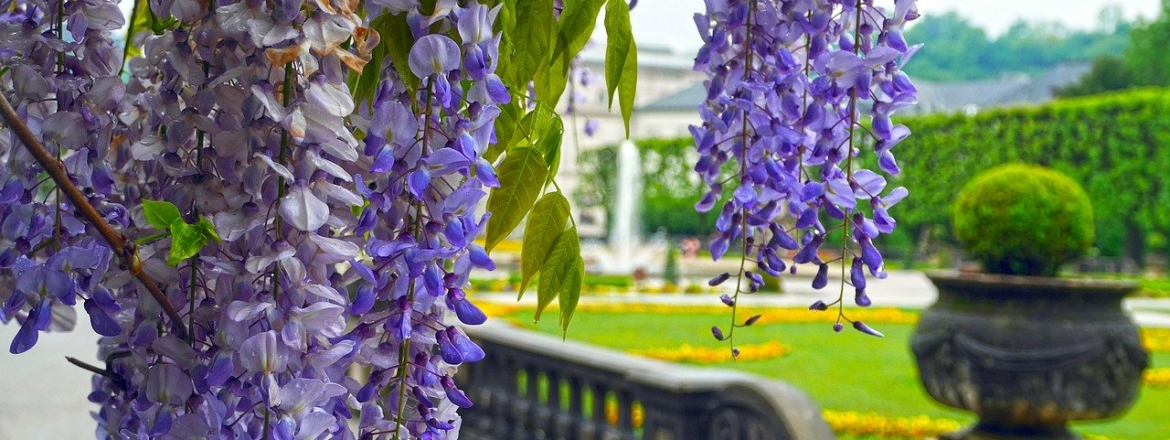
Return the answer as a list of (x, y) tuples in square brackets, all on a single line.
[(533, 386)]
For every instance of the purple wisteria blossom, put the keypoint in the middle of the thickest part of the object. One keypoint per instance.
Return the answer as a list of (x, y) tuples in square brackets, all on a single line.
[(792, 86), (340, 234)]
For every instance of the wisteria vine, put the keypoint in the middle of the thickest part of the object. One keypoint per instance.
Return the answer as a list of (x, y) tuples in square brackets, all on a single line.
[(788, 83), (271, 219), (335, 234)]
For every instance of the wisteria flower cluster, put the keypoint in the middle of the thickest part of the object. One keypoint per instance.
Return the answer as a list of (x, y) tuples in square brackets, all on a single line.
[(333, 237), (795, 89), (63, 71)]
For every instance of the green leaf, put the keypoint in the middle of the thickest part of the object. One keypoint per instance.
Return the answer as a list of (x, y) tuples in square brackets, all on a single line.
[(537, 122), (160, 214), (532, 38), (545, 225), (186, 242), (552, 79), (505, 23), (576, 26), (550, 145), (570, 293), (522, 175), (506, 125), (561, 262), (207, 229), (397, 39), (621, 59), (577, 23)]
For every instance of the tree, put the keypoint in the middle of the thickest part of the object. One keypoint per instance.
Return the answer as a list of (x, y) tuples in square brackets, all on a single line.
[(1109, 73), (957, 51), (1146, 57)]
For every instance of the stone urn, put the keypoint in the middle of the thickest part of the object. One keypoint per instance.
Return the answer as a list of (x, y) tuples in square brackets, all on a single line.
[(1028, 354)]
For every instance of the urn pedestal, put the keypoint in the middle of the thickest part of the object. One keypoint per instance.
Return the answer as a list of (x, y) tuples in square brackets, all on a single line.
[(1028, 354)]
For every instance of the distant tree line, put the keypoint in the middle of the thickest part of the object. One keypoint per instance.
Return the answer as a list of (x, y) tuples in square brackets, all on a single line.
[(956, 50), (1143, 63)]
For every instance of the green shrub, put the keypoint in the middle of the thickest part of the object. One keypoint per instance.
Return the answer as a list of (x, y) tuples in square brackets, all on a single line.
[(1023, 220)]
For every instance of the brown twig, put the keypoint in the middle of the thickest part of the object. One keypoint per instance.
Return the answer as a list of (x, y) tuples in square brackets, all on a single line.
[(57, 171), (92, 369), (118, 380)]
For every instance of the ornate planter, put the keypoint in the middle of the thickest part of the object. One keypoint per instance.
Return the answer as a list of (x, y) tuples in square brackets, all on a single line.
[(1028, 354)]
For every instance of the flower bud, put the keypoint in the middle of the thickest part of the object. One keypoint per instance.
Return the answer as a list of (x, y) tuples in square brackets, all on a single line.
[(861, 327), (717, 333)]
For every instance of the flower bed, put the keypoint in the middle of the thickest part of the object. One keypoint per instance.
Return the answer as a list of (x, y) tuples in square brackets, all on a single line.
[(869, 424), (770, 315), (1156, 340), (706, 355), (1157, 377)]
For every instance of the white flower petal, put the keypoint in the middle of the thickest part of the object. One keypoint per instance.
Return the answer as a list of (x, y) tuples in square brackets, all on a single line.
[(328, 166), (278, 168), (304, 210), (333, 99)]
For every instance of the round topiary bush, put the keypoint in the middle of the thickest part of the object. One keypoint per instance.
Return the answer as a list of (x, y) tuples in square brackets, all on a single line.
[(1023, 220)]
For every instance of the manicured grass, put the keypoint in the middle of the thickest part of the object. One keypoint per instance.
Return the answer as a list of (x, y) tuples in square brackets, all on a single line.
[(842, 372)]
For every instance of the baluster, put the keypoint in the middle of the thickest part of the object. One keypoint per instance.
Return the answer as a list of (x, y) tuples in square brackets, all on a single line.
[(517, 406), (576, 411), (624, 428), (538, 413), (554, 413), (594, 425)]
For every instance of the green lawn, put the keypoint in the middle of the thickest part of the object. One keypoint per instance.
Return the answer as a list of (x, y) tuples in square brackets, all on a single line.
[(842, 372)]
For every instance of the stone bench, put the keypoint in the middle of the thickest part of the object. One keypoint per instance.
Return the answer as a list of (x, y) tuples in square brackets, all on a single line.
[(534, 386)]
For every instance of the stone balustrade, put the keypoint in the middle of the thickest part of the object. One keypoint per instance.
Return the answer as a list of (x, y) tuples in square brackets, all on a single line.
[(536, 387)]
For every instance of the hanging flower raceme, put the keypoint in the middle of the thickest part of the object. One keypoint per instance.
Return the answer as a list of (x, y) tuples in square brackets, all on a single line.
[(784, 122), (239, 120), (427, 176), (60, 62)]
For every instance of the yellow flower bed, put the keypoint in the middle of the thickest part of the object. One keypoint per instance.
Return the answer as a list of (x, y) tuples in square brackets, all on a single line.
[(1157, 377), (1156, 339), (707, 355), (771, 315), (882, 315), (856, 424)]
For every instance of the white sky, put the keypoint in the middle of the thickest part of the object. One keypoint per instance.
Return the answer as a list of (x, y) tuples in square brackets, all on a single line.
[(670, 22)]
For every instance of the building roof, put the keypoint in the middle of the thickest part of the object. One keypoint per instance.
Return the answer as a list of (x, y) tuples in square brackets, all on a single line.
[(687, 99), (1005, 91)]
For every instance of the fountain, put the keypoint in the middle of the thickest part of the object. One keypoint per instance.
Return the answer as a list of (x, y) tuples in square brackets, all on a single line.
[(625, 251), (623, 235)]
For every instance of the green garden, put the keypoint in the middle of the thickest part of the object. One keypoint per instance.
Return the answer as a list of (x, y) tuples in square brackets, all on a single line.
[(849, 375)]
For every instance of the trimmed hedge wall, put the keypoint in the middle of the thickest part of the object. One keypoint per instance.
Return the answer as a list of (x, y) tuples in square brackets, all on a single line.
[(1117, 146)]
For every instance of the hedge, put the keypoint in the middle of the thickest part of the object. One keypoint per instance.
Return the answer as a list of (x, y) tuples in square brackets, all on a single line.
[(1114, 145)]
